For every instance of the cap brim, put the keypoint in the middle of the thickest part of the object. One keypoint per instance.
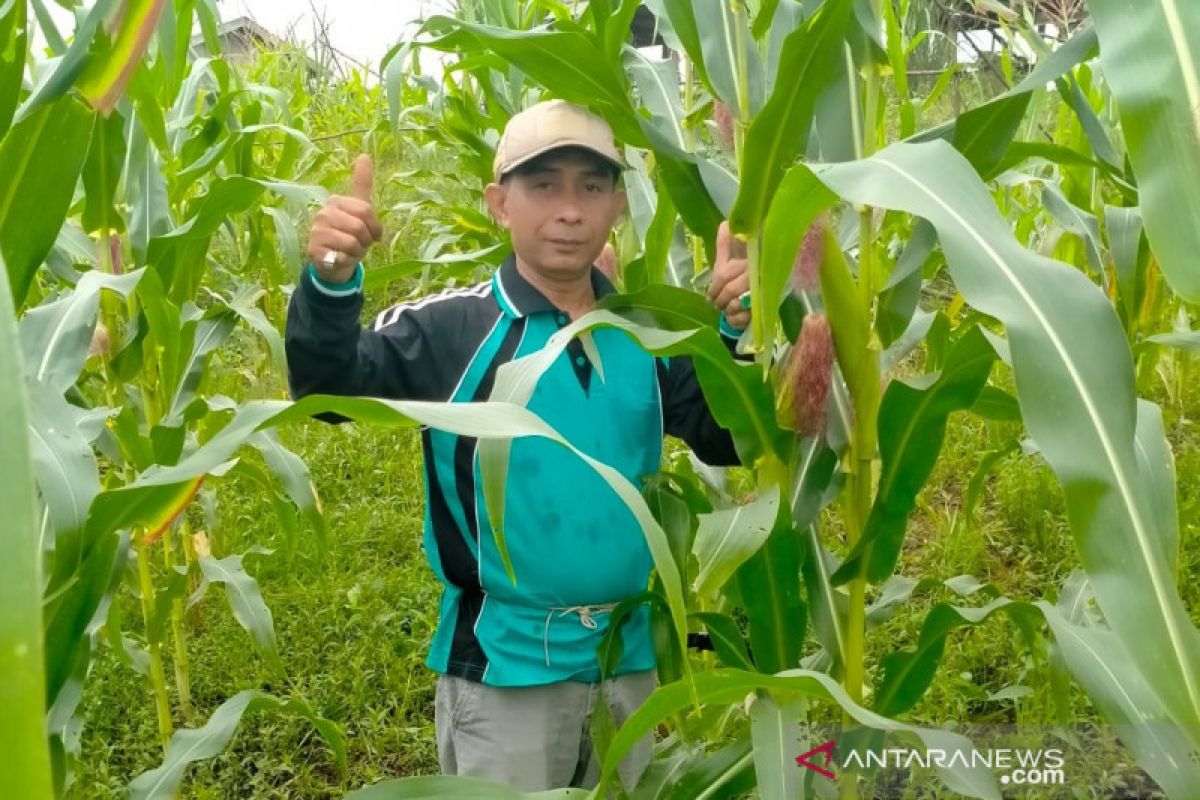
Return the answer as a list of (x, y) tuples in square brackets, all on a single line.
[(558, 145)]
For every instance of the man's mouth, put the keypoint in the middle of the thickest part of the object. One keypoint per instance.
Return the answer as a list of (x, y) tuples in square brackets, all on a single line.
[(567, 242)]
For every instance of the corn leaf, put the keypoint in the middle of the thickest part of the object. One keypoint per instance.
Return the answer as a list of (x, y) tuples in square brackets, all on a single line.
[(55, 336), (448, 787), (729, 769), (568, 63), (1129, 257), (912, 426), (1151, 59), (797, 202), (727, 640), (827, 605), (1104, 668), (657, 83), (196, 744), (728, 536), (767, 587), (294, 474), (72, 63), (907, 674), (64, 464), (779, 133), (246, 602), (159, 491), (14, 42), (676, 19), (1184, 340), (104, 79), (149, 213), (40, 159), (721, 33), (682, 180), (26, 765), (775, 730), (984, 133)]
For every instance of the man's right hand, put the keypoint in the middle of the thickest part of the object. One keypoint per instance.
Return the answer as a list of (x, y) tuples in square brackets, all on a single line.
[(346, 226)]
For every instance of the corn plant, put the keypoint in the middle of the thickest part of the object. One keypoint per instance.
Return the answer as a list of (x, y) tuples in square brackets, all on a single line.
[(129, 166)]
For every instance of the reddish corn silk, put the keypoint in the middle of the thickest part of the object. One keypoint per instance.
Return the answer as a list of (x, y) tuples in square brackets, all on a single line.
[(114, 252), (101, 344), (806, 271), (723, 117), (810, 369)]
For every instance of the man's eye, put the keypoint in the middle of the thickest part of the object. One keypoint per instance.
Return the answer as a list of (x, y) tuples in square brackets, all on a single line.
[(594, 187)]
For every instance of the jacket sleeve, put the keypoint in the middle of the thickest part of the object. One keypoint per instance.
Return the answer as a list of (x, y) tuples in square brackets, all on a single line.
[(686, 413), (330, 352)]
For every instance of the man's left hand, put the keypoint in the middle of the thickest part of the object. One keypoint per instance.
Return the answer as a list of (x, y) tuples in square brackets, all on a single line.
[(730, 278)]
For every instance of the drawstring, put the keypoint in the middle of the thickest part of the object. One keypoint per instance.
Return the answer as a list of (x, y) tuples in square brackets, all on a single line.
[(585, 619)]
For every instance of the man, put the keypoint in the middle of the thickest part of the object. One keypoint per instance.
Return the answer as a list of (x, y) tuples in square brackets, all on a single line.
[(519, 675)]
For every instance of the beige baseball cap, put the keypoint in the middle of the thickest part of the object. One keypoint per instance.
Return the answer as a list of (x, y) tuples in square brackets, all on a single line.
[(548, 126)]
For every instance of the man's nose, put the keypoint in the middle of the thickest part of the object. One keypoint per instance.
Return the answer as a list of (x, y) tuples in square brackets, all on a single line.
[(570, 210)]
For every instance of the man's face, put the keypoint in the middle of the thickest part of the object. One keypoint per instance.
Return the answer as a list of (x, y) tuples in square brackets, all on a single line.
[(559, 212)]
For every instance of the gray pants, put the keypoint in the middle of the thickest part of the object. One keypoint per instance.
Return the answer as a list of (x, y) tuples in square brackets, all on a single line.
[(534, 738)]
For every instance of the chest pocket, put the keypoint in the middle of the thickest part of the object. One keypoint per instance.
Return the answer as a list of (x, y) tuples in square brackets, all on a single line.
[(625, 410)]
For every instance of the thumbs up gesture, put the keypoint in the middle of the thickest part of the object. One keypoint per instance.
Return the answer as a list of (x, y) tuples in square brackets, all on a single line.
[(731, 278), (346, 227)]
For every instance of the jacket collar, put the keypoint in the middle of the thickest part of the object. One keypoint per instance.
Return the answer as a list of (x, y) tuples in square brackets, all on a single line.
[(519, 298)]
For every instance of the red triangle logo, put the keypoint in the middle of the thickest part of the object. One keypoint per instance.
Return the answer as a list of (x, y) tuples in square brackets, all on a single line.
[(827, 748)]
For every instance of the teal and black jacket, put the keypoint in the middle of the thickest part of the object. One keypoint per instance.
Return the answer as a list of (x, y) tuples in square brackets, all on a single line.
[(575, 547)]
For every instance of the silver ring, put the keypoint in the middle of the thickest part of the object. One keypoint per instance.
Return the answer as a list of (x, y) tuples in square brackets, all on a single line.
[(744, 299), (331, 259)]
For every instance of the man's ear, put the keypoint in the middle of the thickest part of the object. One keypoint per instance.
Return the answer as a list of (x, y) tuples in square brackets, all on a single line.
[(620, 204), (496, 197)]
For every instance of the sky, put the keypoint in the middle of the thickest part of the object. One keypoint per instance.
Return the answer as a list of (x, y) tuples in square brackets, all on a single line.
[(363, 30)]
